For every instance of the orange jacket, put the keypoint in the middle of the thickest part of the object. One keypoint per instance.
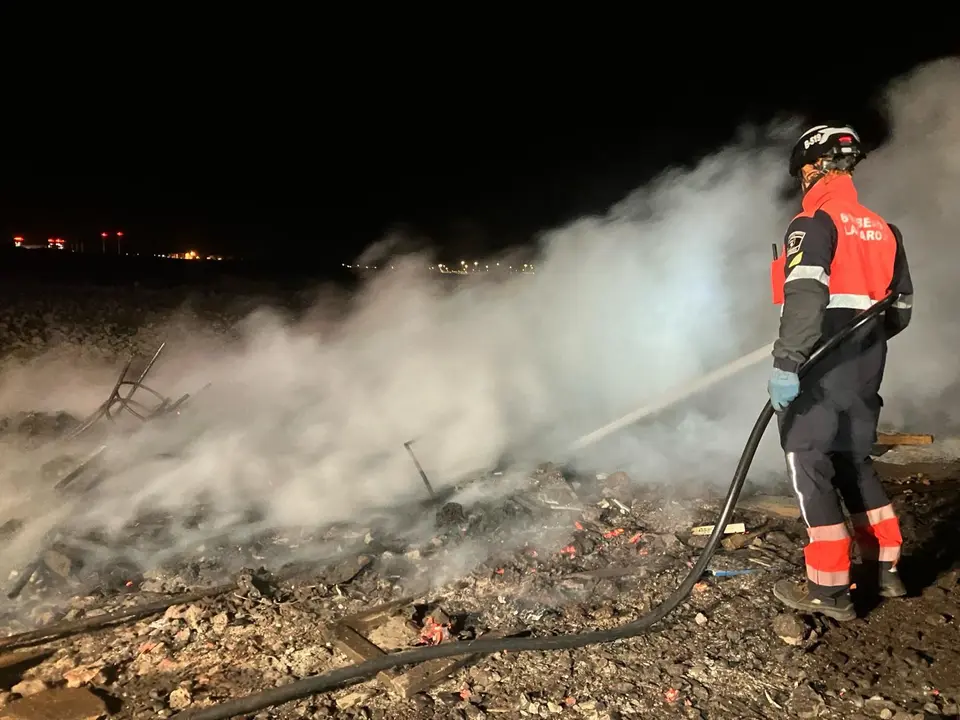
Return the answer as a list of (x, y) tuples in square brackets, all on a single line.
[(838, 258), (862, 266)]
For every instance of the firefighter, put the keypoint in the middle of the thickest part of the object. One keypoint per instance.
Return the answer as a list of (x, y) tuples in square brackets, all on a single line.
[(838, 259)]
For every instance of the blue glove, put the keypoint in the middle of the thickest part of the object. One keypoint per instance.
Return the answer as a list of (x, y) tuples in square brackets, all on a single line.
[(783, 388)]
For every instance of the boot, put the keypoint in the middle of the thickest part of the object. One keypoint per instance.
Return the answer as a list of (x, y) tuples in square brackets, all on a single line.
[(798, 597), (891, 586)]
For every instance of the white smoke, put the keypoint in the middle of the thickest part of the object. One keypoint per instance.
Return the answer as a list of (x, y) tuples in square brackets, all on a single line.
[(307, 423), (914, 181)]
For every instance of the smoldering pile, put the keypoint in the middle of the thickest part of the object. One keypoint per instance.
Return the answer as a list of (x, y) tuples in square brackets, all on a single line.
[(510, 524), (501, 552), (513, 550)]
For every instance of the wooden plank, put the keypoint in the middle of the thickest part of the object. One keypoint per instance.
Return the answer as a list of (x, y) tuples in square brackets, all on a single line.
[(419, 678), (365, 621), (903, 439), (782, 506), (731, 529), (427, 674), (356, 647)]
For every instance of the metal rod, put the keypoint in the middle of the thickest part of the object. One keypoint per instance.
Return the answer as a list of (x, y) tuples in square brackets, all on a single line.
[(423, 475), (78, 470)]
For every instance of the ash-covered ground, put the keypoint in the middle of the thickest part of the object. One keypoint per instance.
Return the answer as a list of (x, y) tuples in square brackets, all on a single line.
[(539, 548)]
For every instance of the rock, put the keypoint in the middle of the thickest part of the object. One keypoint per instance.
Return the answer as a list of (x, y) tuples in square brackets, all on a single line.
[(351, 699), (220, 621), (667, 540), (174, 612), (255, 584), (58, 563), (25, 688), (789, 628), (439, 616), (57, 704), (701, 619), (736, 542), (345, 570), (934, 593), (84, 675), (192, 616), (805, 702), (180, 698), (451, 514), (307, 661), (880, 707), (839, 659), (780, 540), (949, 581)]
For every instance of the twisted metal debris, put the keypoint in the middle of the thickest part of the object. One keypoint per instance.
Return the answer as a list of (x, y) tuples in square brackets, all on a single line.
[(121, 398)]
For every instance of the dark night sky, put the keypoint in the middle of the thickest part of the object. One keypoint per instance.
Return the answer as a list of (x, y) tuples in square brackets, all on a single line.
[(509, 157)]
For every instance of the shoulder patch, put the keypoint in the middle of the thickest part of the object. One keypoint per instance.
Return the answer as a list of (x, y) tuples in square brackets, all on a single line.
[(794, 241)]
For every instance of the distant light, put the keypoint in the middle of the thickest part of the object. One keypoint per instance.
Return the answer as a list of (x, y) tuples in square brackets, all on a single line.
[(17, 238), (119, 234), (103, 234)]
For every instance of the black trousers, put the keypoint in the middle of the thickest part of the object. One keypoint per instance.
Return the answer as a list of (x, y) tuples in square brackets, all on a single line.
[(827, 435)]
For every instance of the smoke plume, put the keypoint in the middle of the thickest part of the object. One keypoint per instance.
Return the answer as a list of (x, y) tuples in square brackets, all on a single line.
[(306, 421)]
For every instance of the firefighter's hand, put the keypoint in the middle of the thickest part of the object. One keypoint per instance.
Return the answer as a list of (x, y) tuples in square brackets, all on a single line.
[(783, 387)]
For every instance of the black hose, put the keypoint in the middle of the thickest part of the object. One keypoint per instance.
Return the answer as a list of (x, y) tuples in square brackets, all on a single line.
[(336, 678)]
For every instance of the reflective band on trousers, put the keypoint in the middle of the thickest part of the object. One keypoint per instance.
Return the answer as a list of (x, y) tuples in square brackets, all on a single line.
[(828, 555), (878, 534), (864, 302), (828, 579), (828, 532), (889, 554)]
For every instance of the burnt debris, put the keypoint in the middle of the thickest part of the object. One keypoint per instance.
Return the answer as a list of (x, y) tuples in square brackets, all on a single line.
[(70, 475)]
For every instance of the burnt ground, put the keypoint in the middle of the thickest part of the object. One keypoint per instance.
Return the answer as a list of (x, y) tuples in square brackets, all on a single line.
[(561, 554)]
